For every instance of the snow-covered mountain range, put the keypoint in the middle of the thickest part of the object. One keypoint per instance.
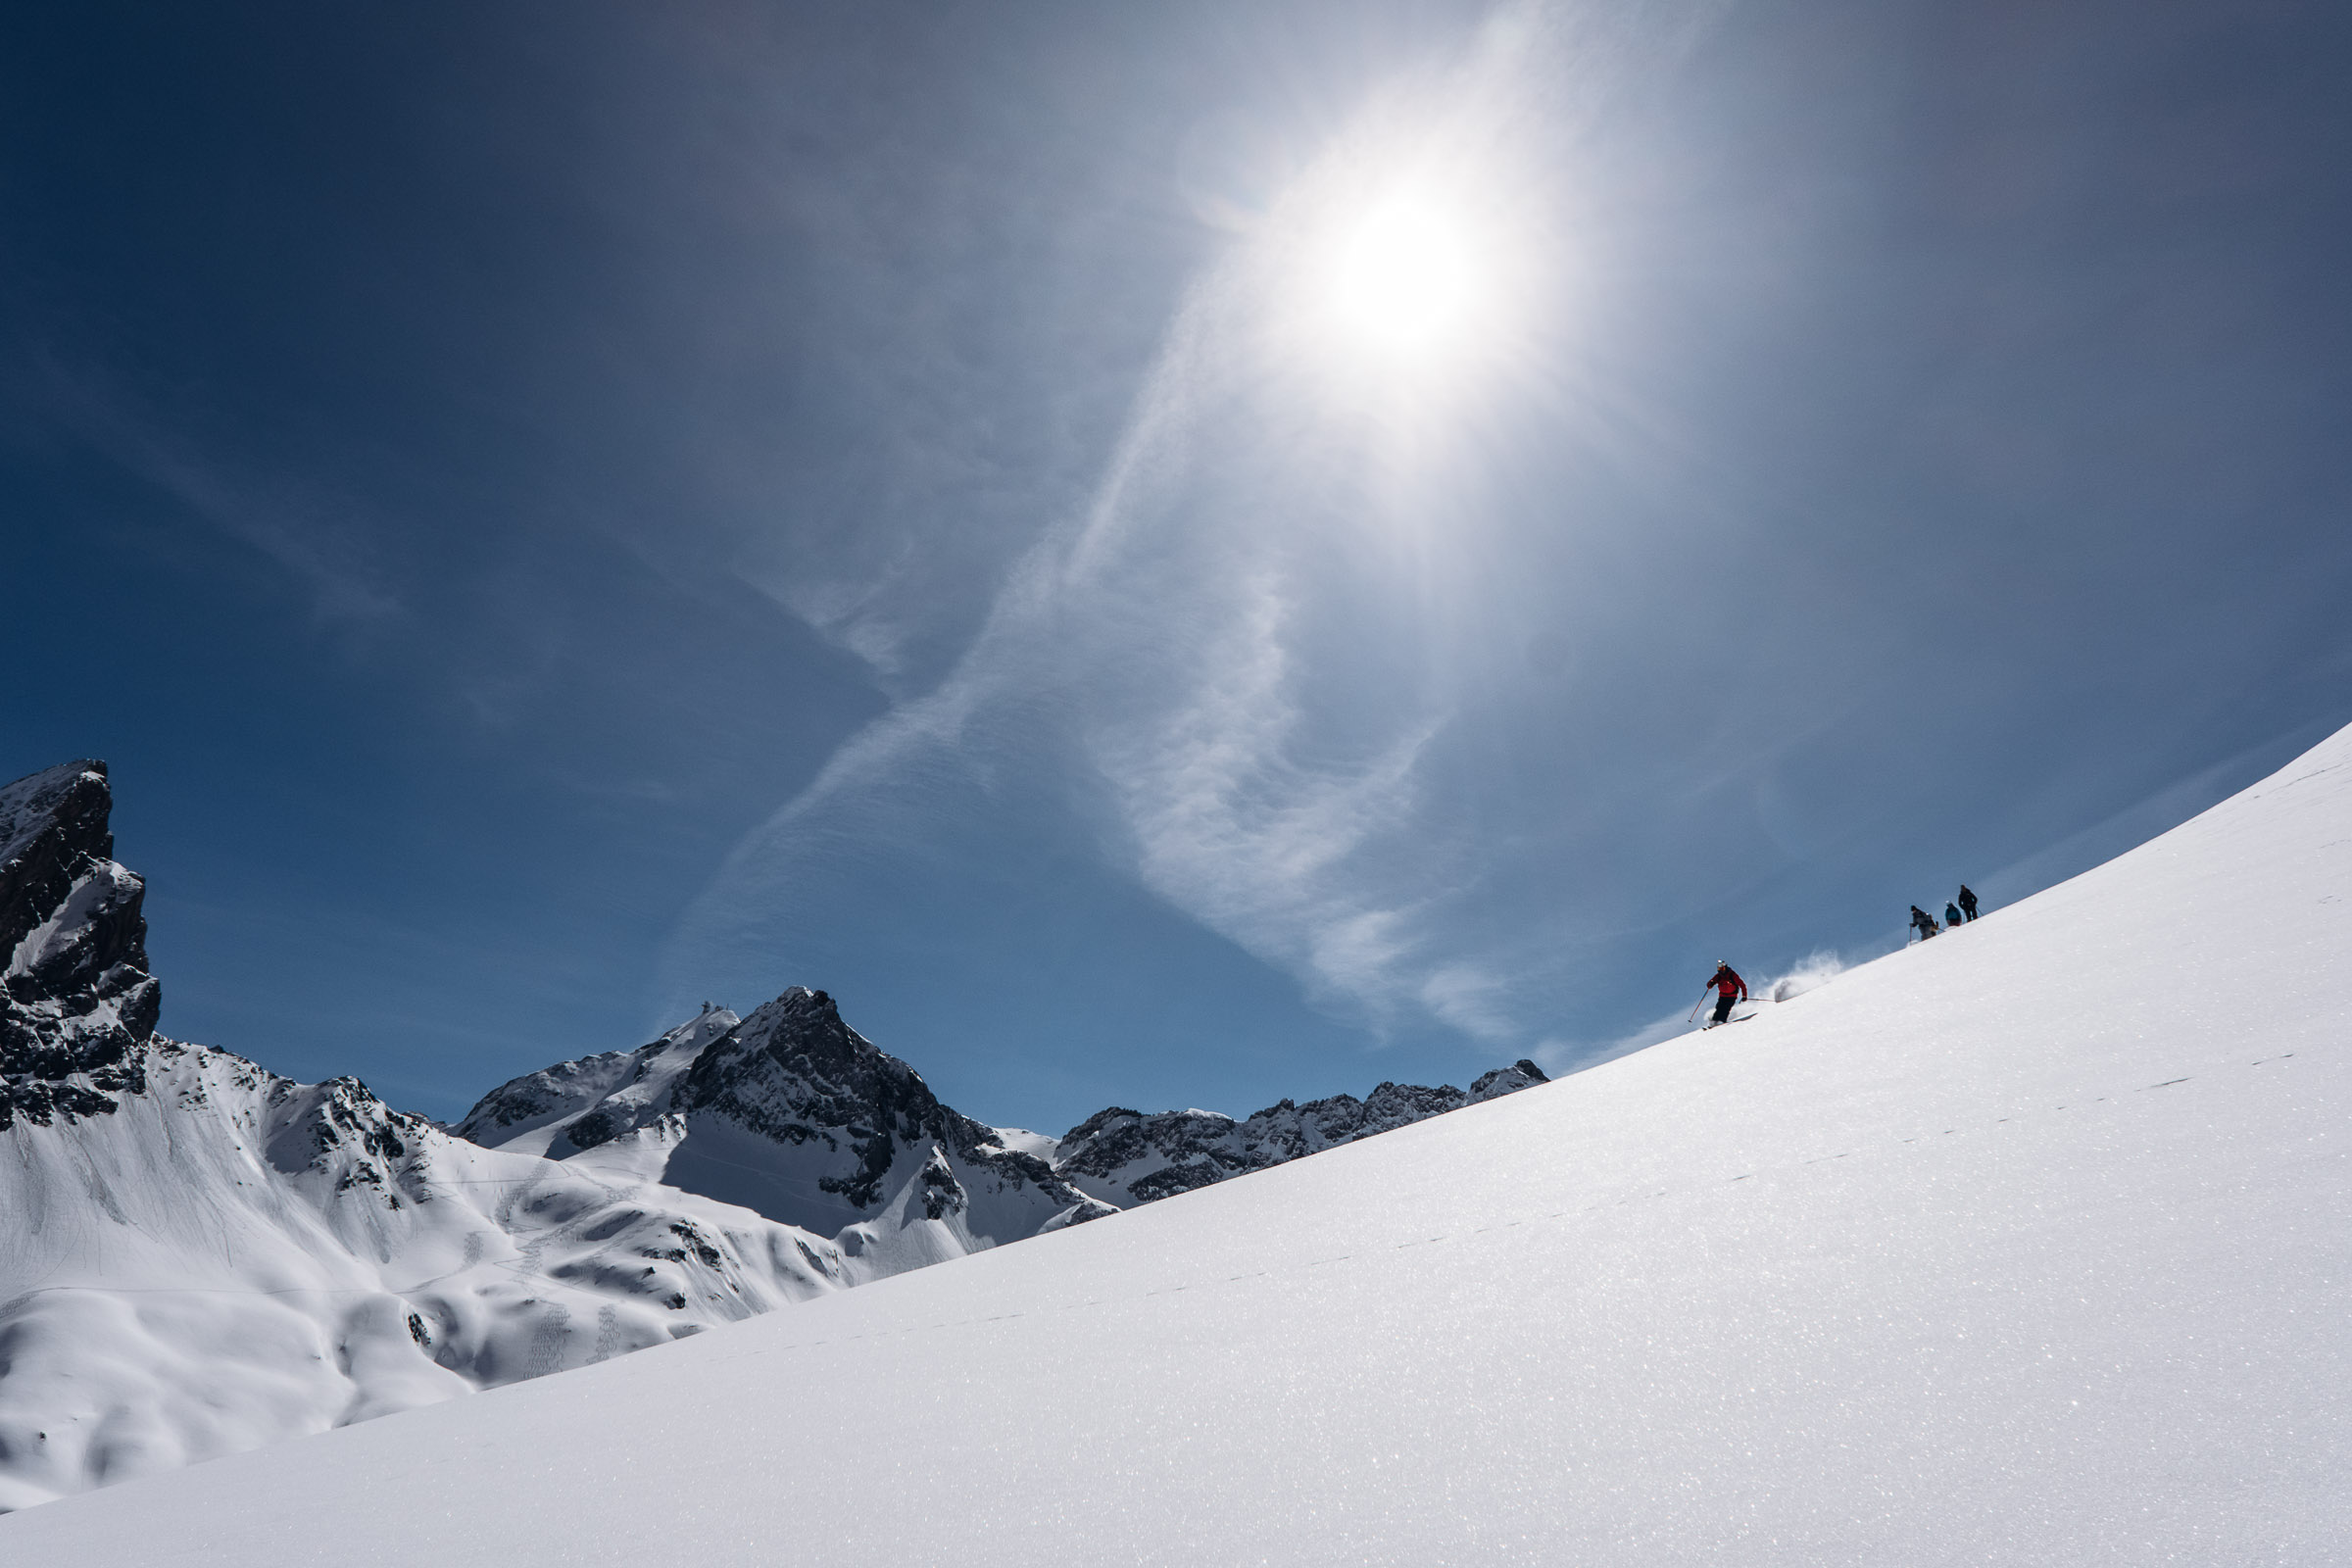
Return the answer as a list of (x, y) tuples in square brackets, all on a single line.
[(2026, 1244), (199, 1256), (795, 1115), (1126, 1157)]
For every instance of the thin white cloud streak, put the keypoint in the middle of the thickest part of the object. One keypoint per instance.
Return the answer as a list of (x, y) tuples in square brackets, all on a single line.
[(1172, 642), (307, 533), (1230, 825), (297, 532)]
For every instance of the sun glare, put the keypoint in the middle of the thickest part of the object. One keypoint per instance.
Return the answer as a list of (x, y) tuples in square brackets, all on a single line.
[(1399, 273), (1408, 279), (1405, 276)]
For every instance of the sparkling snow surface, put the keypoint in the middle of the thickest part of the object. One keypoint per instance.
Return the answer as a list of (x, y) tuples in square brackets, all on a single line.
[(2027, 1245)]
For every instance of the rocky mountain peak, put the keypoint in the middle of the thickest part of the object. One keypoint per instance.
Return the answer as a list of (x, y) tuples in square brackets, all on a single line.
[(795, 1115), (1520, 1074), (794, 1074), (793, 1063), (75, 998), (339, 1128)]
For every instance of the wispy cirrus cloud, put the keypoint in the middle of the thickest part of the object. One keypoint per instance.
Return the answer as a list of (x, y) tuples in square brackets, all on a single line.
[(1228, 658), (308, 532)]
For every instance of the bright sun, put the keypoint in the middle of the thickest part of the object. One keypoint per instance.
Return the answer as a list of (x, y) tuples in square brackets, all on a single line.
[(1406, 277)]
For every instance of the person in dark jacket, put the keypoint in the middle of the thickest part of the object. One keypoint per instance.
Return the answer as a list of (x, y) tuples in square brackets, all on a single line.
[(1729, 988), (1924, 921), (1951, 915), (1967, 901)]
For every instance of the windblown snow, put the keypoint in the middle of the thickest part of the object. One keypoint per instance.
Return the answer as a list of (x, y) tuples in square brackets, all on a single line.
[(2026, 1244)]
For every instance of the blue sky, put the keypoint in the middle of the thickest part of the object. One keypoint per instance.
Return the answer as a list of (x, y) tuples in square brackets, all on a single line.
[(557, 513)]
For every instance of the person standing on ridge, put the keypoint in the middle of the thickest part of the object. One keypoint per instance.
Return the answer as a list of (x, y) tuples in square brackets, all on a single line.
[(1729, 988), (1967, 901), (1951, 915), (1924, 921)]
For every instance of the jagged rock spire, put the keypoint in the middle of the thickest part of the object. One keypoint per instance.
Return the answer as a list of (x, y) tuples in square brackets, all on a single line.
[(75, 997)]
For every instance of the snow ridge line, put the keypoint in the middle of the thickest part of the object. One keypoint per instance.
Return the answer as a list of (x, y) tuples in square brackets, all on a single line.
[(1483, 1230)]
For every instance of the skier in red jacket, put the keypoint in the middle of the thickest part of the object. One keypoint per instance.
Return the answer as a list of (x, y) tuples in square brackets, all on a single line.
[(1729, 988)]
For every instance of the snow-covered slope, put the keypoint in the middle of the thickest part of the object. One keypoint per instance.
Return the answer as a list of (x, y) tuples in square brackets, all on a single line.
[(198, 1257), (2026, 1245), (229, 1258)]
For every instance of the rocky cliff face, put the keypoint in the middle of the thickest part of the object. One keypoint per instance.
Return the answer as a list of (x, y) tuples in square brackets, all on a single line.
[(795, 1115), (75, 997), (1127, 1157)]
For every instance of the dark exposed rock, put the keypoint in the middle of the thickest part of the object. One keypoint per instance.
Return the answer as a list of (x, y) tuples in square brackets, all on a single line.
[(1125, 1156), (943, 1194), (597, 1127), (76, 1002), (795, 1073), (553, 1091), (78, 1008), (807, 1120), (1520, 1074), (696, 1242)]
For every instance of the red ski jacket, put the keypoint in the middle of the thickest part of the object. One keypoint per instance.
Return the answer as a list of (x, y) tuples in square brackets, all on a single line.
[(1727, 982)]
